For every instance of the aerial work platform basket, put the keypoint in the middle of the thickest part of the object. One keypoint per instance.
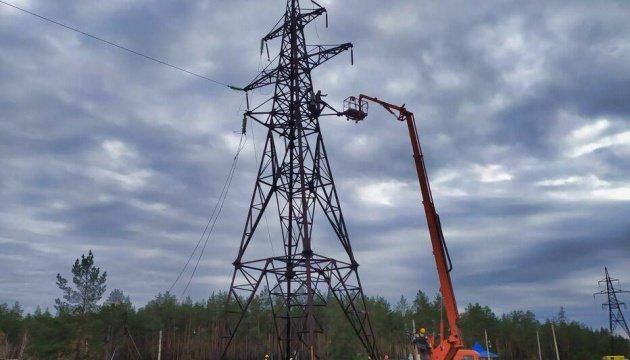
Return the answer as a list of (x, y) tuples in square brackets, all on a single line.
[(355, 109)]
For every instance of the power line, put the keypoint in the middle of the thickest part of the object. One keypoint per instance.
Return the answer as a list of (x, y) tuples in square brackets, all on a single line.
[(120, 46), (241, 145), (212, 220)]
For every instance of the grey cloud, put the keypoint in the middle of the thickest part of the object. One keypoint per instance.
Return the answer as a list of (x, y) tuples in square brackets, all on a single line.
[(452, 63)]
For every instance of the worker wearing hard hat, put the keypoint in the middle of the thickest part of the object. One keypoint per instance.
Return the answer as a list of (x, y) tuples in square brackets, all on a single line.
[(422, 346)]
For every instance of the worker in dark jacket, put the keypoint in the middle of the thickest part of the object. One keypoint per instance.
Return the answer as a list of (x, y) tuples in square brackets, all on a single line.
[(315, 103), (421, 343)]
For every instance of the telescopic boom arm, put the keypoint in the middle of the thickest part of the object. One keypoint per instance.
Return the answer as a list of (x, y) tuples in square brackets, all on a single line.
[(447, 348)]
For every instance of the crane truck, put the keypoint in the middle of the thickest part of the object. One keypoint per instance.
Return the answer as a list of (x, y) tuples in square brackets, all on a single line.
[(450, 347)]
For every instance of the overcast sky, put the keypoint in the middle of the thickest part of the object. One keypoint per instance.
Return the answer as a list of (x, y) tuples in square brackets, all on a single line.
[(523, 110)]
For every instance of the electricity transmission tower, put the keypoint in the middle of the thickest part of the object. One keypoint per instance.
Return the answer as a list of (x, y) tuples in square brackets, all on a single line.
[(615, 315), (294, 177)]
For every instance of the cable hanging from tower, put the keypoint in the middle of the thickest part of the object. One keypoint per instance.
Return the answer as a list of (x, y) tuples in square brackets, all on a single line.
[(212, 220)]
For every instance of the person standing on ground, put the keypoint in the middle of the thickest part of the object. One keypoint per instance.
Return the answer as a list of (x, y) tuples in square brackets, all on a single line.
[(421, 343)]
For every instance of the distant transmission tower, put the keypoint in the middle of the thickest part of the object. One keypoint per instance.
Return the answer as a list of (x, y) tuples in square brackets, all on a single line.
[(616, 318), (295, 177)]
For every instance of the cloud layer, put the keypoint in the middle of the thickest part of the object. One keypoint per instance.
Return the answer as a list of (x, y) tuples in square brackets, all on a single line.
[(523, 112)]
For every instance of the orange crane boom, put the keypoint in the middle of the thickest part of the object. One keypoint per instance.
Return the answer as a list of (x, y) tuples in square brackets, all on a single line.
[(451, 347)]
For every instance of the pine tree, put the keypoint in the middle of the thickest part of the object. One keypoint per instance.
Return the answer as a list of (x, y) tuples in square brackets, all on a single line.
[(89, 287), (81, 300), (118, 297)]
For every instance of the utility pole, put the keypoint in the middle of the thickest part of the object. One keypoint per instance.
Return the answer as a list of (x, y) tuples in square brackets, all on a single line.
[(538, 342), (487, 345), (555, 341), (160, 346), (294, 177), (615, 316)]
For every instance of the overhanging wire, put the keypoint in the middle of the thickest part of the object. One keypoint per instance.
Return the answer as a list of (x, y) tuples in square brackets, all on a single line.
[(120, 46), (219, 204)]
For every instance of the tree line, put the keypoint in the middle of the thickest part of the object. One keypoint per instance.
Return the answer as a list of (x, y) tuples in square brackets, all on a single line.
[(83, 327)]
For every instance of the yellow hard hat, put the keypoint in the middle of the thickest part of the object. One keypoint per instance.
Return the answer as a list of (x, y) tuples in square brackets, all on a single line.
[(422, 331)]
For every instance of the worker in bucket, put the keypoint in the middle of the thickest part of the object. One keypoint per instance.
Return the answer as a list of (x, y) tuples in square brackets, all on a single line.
[(421, 343)]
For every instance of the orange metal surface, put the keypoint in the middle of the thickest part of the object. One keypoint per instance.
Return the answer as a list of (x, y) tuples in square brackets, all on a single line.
[(452, 346)]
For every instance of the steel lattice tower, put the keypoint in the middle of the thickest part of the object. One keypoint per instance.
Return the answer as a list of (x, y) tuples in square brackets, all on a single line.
[(295, 176), (616, 318)]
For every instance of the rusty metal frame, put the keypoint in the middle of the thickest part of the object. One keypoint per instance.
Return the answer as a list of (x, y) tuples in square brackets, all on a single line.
[(295, 176)]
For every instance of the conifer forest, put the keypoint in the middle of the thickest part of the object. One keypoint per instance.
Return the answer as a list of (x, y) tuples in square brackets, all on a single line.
[(88, 325)]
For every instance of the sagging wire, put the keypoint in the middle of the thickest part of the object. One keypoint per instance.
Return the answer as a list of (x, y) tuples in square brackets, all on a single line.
[(212, 220), (220, 204), (124, 48)]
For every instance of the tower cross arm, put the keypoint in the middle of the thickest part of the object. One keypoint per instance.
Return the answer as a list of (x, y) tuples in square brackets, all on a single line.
[(322, 53), (303, 20), (276, 32), (307, 17), (265, 78)]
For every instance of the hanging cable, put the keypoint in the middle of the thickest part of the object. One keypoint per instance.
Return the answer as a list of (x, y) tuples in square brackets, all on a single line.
[(220, 203), (217, 207), (121, 47), (222, 195)]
